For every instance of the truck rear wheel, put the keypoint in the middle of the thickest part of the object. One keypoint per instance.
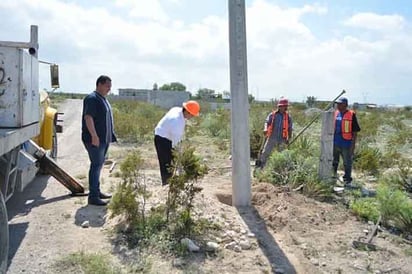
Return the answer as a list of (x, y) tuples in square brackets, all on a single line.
[(4, 235)]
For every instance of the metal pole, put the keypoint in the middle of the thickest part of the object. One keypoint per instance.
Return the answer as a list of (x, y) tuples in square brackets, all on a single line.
[(241, 187), (316, 117)]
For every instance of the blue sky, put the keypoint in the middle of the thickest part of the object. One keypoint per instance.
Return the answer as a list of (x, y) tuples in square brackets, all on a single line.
[(295, 48)]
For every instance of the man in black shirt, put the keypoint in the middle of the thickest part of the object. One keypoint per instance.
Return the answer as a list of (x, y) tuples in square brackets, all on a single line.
[(97, 134)]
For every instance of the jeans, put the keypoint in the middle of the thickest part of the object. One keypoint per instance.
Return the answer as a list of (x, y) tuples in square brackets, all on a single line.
[(346, 154), (97, 157)]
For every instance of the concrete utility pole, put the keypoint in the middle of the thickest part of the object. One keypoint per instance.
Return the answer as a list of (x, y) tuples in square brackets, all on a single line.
[(241, 187), (326, 146)]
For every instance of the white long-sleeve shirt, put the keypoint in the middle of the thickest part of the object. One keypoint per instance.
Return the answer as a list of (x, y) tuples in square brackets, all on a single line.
[(172, 125)]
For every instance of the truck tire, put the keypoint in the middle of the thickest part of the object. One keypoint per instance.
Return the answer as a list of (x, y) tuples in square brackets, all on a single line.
[(4, 235)]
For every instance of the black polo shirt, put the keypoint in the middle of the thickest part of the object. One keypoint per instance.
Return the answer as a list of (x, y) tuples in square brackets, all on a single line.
[(99, 109)]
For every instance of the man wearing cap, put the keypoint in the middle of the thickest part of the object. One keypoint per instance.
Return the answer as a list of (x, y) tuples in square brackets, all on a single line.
[(346, 129), (277, 129), (169, 132)]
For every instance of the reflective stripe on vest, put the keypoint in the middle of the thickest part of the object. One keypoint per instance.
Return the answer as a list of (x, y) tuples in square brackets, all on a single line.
[(285, 128), (346, 124)]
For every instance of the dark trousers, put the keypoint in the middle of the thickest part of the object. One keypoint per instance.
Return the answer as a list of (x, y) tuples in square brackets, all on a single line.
[(164, 154), (346, 154), (97, 157)]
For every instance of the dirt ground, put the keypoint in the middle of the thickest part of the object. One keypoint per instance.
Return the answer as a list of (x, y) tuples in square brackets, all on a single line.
[(282, 232)]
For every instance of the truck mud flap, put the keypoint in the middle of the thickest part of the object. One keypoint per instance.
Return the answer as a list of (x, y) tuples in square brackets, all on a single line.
[(49, 166)]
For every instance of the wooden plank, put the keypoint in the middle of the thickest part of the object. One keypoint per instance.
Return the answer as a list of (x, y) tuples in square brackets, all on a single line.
[(49, 166)]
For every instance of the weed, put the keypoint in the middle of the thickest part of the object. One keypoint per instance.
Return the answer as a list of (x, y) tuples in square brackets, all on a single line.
[(366, 208), (317, 190), (367, 158), (395, 206), (88, 263)]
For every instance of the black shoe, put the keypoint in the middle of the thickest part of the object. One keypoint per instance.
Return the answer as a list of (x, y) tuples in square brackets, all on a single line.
[(97, 202), (105, 195)]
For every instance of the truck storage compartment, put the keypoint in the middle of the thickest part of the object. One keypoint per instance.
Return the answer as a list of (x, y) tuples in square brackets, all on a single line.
[(19, 96)]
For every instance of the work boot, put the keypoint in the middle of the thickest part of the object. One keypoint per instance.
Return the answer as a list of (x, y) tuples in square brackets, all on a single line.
[(97, 202), (105, 195)]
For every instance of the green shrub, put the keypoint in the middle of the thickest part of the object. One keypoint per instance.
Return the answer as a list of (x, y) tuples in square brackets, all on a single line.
[(318, 190), (293, 168), (395, 206), (306, 147), (187, 170), (366, 208), (367, 158), (279, 167), (131, 195)]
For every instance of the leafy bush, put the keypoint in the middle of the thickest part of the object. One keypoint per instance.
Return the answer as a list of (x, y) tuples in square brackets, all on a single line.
[(130, 198), (187, 170), (279, 167), (366, 208)]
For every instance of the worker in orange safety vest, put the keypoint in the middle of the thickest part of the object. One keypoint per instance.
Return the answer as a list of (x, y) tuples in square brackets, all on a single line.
[(346, 129), (277, 129)]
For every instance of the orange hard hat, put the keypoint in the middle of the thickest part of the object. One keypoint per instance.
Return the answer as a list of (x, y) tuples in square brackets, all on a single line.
[(283, 102), (192, 107)]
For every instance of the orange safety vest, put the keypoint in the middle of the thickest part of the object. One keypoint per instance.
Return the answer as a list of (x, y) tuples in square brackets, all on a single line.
[(285, 128), (346, 124)]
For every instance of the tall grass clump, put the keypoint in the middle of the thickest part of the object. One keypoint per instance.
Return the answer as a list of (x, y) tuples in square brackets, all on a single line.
[(367, 158), (295, 169)]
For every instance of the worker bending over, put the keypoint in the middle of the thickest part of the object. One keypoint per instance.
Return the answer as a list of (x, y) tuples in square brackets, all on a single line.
[(169, 132)]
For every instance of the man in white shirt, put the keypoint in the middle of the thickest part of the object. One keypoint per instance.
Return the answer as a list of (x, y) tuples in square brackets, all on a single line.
[(169, 132)]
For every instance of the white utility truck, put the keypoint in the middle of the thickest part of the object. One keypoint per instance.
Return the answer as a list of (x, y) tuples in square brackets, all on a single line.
[(28, 128)]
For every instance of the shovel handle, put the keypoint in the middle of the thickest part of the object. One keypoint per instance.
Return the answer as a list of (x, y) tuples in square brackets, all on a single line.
[(375, 228), (316, 118)]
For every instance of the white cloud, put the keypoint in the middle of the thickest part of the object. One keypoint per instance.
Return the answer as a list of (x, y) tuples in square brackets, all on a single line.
[(372, 21), (144, 9), (285, 57)]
